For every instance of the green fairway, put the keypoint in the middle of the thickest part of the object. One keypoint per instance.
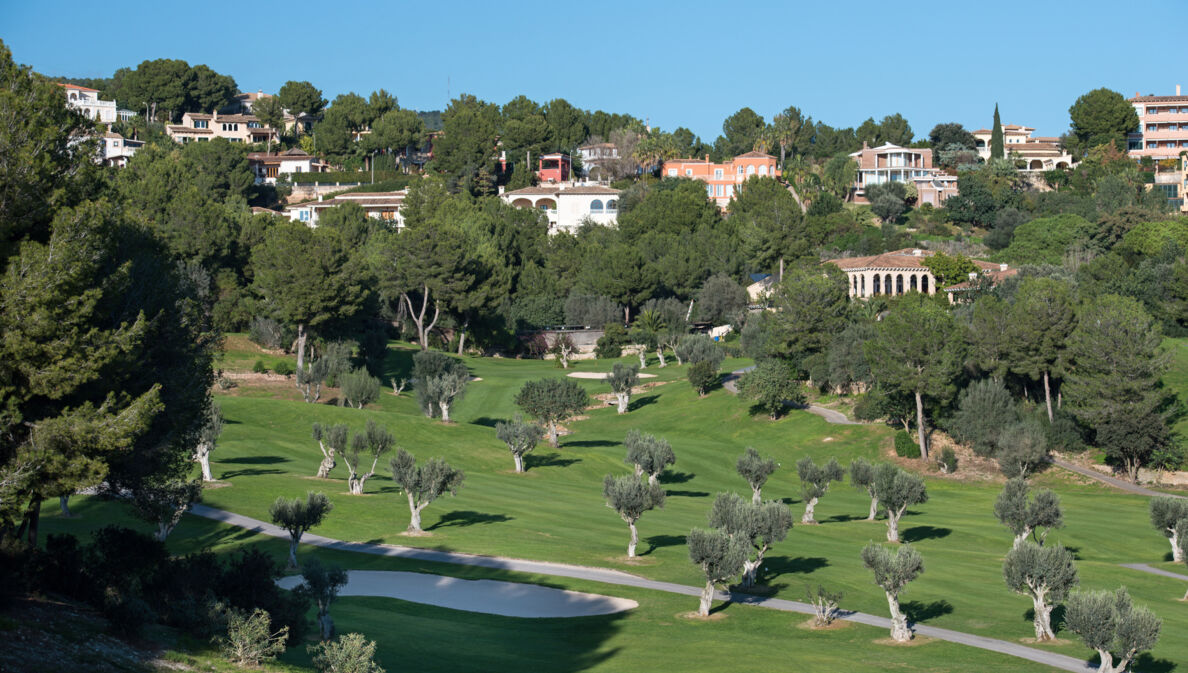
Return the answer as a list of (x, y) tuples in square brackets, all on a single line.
[(555, 512)]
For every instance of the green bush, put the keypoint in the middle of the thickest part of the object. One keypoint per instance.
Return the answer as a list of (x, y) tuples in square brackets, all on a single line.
[(1064, 434), (610, 344), (283, 368), (259, 367), (905, 446), (703, 375), (948, 461)]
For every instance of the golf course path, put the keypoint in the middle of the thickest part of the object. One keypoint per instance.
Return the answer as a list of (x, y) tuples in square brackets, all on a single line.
[(608, 576), (730, 382), (1155, 571)]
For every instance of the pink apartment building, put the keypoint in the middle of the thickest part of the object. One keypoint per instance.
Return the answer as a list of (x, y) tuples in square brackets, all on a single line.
[(1163, 126), (892, 163), (722, 180)]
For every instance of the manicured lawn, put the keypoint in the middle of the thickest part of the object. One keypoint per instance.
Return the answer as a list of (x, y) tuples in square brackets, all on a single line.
[(555, 512)]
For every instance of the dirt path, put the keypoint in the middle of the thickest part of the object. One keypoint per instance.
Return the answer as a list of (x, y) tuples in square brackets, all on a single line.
[(609, 576)]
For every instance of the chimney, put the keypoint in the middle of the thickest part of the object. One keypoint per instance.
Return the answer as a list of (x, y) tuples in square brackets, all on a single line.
[(707, 158), (320, 198), (1177, 89), (1002, 267)]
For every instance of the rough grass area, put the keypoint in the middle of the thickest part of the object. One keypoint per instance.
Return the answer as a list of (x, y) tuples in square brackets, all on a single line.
[(555, 512)]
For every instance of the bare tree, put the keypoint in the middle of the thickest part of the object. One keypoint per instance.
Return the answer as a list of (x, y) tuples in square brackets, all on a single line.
[(825, 604)]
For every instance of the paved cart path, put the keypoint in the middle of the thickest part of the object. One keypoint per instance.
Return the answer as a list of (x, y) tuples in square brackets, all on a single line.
[(1155, 571), (608, 576), (730, 382)]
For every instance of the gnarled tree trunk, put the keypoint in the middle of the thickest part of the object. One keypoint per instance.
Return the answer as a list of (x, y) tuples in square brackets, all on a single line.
[(553, 433), (444, 405), (414, 515), (1043, 616), (1020, 537), (202, 457), (808, 511), (294, 540), (707, 598), (1177, 554), (874, 508), (756, 495), (899, 627), (643, 359), (634, 539), (327, 461), (660, 356), (623, 399), (893, 524), (519, 457)]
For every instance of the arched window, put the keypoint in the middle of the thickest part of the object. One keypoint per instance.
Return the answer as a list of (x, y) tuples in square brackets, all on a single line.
[(751, 169), (612, 205), (596, 206), (875, 289), (853, 285), (913, 283), (924, 284), (763, 169), (887, 284), (862, 286), (899, 284)]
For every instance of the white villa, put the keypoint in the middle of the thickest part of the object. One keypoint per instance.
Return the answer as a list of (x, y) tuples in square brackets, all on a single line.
[(568, 205), (117, 149), (87, 101), (380, 205), (268, 167)]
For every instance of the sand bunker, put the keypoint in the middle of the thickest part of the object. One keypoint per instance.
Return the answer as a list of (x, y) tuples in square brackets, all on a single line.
[(510, 599), (602, 375)]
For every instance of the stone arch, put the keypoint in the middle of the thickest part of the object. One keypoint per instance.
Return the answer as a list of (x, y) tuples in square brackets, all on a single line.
[(522, 203), (1035, 165), (546, 204), (1062, 165)]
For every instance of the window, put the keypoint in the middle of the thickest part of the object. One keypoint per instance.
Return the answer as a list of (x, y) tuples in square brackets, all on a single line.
[(709, 191), (201, 124), (763, 169), (612, 205), (751, 169), (672, 172), (729, 190), (741, 170), (717, 173), (720, 190), (270, 171), (304, 214), (596, 206), (688, 172)]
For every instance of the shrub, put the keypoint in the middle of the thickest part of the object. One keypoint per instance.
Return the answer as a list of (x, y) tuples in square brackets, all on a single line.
[(359, 388), (125, 612), (259, 367), (284, 368), (985, 410), (696, 348), (703, 375), (1064, 433), (905, 446), (270, 334), (948, 461), (250, 640), (351, 653), (610, 344)]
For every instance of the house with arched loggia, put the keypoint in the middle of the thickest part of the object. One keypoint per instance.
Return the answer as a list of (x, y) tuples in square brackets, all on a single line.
[(567, 205), (902, 271)]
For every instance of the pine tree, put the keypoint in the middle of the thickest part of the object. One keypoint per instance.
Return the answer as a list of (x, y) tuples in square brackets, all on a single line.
[(996, 149)]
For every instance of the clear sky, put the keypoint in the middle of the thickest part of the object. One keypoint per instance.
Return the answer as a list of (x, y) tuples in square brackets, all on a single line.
[(689, 63)]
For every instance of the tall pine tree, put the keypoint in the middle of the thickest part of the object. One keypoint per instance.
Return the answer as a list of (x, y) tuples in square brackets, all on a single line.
[(996, 149)]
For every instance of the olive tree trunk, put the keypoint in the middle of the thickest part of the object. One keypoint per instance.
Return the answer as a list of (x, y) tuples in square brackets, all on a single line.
[(808, 511), (660, 356), (874, 508), (1020, 537), (414, 514), (519, 461), (1177, 554), (1043, 614), (899, 627), (707, 598), (202, 457), (643, 359), (893, 524), (634, 539), (64, 505), (623, 400), (553, 433), (756, 495), (327, 463), (445, 410), (294, 540)]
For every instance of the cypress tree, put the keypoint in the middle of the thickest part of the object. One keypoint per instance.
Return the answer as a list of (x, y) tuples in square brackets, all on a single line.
[(996, 149)]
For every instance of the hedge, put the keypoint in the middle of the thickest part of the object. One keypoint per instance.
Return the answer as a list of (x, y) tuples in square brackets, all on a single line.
[(905, 446), (342, 176)]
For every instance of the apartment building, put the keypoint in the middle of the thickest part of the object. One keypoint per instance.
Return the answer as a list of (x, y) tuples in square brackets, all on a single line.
[(1039, 153), (238, 128), (722, 180), (1163, 126)]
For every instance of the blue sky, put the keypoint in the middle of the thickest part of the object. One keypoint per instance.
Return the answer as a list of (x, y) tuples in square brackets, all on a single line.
[(677, 64)]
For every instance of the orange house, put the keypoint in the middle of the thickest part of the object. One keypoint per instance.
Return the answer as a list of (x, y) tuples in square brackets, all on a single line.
[(722, 180)]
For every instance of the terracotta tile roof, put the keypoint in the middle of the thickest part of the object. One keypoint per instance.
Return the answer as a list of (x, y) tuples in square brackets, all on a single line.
[(109, 134), (533, 191), (996, 275), (591, 190), (75, 86), (587, 147), (187, 129), (1159, 99), (899, 259), (581, 190), (753, 155)]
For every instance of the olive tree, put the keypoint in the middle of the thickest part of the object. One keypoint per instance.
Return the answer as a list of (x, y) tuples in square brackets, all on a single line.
[(207, 437), (622, 380), (163, 502), (771, 383), (702, 376), (349, 653), (429, 366), (720, 557), (1046, 575), (297, 517), (332, 440), (814, 483), (862, 475), (1111, 624), (322, 584), (694, 348), (896, 490), (373, 442), (630, 498), (1024, 448), (825, 604), (520, 436), (759, 525), (755, 469), (1166, 512), (552, 401), (892, 572), (359, 388), (1026, 516), (649, 454), (424, 483)]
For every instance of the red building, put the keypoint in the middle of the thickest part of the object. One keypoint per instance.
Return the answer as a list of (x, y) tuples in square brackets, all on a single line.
[(554, 167)]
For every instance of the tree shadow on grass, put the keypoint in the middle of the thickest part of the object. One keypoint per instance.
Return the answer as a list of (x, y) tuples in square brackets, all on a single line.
[(548, 460), (670, 477), (842, 518), (918, 611), (790, 501), (919, 533), (687, 494), (254, 460), (644, 401), (591, 443), (251, 472), (1149, 664), (774, 566), (657, 541), (463, 518), (488, 421)]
